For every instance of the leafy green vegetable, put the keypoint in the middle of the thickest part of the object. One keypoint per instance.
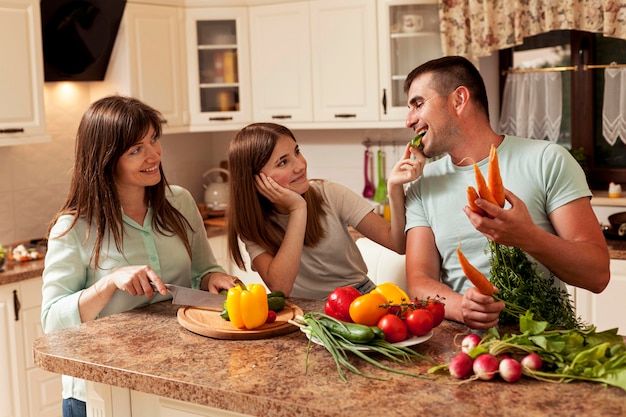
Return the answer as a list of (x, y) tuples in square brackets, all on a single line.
[(568, 355), (522, 287)]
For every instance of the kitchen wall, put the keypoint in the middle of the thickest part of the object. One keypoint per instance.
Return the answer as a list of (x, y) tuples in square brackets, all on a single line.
[(35, 178)]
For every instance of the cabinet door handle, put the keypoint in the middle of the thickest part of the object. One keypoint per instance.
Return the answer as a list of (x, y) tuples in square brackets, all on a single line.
[(220, 119), (384, 101), (281, 116), (15, 130), (345, 115), (16, 305)]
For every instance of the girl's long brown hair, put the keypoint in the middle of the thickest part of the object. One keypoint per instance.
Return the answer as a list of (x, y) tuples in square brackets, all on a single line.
[(251, 215), (109, 127)]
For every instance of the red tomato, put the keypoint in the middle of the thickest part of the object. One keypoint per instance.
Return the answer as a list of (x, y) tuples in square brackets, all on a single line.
[(420, 321), (394, 328), (436, 307), (271, 316)]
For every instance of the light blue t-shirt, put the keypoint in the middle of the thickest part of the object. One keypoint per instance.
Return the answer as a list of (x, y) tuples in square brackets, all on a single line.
[(67, 270), (542, 174)]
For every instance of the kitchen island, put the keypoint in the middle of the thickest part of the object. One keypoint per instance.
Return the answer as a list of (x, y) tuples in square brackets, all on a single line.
[(144, 363)]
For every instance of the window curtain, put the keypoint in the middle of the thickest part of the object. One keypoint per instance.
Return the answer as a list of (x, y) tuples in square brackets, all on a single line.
[(476, 28), (532, 105), (614, 105)]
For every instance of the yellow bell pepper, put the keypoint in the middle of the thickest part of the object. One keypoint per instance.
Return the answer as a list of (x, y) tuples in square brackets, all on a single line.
[(247, 306), (392, 292)]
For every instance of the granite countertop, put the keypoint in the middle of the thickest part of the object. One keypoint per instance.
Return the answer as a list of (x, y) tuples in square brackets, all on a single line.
[(19, 271), (148, 350)]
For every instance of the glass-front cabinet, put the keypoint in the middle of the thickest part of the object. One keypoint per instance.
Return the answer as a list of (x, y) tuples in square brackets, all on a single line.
[(410, 35), (219, 74)]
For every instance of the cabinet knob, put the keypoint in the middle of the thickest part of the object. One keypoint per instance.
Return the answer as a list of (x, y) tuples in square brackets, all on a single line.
[(14, 130), (220, 119), (16, 305), (384, 101)]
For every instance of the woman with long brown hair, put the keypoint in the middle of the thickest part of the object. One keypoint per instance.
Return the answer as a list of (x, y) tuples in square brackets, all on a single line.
[(295, 229), (122, 230)]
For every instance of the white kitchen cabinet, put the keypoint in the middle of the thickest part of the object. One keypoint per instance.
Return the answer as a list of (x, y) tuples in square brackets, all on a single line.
[(218, 67), (345, 61), (25, 390), (22, 118), (409, 36), (280, 49), (607, 309), (314, 61), (149, 62), (109, 401)]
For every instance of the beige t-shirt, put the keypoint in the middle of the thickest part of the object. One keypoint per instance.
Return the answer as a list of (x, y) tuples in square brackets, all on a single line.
[(336, 261)]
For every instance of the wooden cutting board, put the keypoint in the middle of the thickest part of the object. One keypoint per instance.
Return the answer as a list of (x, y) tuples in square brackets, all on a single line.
[(211, 324)]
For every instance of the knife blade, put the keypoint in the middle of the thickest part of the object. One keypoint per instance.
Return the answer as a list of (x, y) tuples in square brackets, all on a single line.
[(195, 298)]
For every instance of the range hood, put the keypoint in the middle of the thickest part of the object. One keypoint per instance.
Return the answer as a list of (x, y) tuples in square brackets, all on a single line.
[(78, 37)]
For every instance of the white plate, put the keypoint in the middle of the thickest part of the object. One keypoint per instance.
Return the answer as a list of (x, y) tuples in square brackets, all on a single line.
[(415, 340)]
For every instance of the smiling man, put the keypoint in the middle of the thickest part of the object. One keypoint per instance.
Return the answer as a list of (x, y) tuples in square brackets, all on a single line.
[(547, 211)]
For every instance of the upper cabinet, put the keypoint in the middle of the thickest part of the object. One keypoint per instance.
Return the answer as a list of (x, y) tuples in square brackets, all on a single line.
[(22, 118), (409, 36), (148, 62), (315, 62), (280, 49), (344, 59), (219, 69)]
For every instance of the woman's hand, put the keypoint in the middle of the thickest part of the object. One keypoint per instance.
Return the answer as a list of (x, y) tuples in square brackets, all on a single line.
[(138, 280), (407, 169), (277, 194)]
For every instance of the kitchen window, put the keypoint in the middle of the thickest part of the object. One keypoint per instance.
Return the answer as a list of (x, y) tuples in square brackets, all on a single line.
[(583, 92)]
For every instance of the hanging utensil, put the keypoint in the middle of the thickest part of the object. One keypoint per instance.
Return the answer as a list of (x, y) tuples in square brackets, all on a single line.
[(368, 190), (380, 194)]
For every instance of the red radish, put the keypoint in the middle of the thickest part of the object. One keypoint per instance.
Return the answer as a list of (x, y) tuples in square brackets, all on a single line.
[(461, 366), (532, 361), (485, 366), (469, 342), (510, 370)]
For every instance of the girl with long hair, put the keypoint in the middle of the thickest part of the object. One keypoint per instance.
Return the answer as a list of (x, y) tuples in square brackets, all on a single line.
[(295, 229)]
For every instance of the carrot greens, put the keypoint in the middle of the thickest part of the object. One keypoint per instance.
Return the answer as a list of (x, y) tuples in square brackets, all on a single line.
[(523, 288)]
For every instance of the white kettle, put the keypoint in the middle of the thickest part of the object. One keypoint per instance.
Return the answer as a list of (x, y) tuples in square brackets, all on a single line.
[(216, 192)]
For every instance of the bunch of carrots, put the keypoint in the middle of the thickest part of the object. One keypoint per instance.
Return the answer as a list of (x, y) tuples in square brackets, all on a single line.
[(492, 191), (520, 284)]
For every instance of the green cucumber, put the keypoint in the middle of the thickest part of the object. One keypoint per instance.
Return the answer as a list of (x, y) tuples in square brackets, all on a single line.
[(417, 140), (276, 303), (276, 294), (357, 333)]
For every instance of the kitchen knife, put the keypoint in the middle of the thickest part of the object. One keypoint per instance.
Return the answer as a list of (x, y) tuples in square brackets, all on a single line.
[(196, 298)]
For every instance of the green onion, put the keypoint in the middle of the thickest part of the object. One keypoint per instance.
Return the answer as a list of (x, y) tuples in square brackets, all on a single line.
[(339, 347)]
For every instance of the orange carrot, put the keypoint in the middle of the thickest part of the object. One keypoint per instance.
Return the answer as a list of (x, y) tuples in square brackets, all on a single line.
[(472, 195), (494, 179), (482, 284), (483, 190)]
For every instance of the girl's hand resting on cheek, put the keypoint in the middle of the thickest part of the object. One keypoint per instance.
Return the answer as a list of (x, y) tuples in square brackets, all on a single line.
[(277, 194)]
